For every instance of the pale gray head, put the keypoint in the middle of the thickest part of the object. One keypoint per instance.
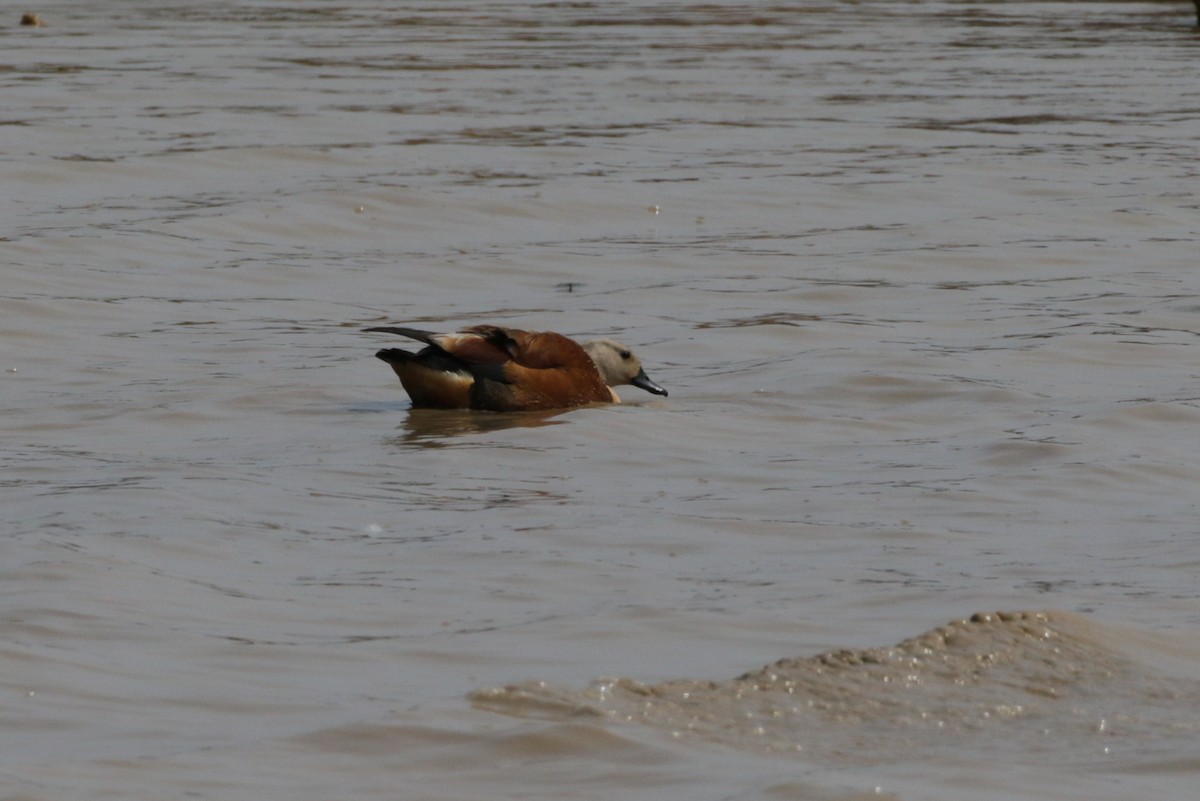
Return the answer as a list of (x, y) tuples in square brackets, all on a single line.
[(619, 365)]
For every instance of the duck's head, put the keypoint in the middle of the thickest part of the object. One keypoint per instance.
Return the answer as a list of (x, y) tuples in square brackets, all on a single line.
[(619, 365)]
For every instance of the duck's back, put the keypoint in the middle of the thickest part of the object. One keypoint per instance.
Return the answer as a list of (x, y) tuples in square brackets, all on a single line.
[(546, 371)]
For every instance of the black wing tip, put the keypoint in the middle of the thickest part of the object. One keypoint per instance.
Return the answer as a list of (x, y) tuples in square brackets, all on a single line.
[(394, 355), (411, 333)]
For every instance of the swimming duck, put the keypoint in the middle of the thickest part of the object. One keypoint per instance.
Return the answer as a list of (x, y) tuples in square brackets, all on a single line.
[(501, 369)]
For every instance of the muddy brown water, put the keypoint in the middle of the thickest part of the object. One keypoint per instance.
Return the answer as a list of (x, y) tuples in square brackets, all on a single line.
[(919, 276)]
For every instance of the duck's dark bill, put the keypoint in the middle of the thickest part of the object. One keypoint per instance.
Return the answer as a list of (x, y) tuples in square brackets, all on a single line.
[(641, 381)]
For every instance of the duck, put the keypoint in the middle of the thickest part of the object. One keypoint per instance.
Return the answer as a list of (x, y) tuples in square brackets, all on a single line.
[(498, 369)]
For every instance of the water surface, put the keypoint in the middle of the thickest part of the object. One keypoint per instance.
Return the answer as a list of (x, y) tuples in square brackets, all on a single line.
[(920, 277)]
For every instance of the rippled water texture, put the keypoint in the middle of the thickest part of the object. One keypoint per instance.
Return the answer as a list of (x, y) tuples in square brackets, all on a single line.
[(919, 276)]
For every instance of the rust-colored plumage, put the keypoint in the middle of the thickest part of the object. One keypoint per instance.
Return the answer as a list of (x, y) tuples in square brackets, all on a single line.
[(505, 369)]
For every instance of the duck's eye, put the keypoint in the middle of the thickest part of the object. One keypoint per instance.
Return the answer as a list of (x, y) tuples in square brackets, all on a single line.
[(626, 355)]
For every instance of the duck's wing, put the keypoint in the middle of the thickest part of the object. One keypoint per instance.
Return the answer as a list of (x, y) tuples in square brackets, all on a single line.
[(496, 368), (538, 350), (478, 345)]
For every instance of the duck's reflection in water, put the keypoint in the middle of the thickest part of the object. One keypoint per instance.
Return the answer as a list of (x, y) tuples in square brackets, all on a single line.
[(428, 427)]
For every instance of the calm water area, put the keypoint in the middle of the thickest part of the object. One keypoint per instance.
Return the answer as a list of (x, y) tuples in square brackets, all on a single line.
[(921, 278)]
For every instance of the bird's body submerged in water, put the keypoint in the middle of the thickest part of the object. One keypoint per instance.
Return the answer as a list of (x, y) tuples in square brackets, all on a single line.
[(501, 369)]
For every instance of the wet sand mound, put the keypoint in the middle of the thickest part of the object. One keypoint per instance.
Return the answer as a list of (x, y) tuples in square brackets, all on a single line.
[(1014, 682)]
